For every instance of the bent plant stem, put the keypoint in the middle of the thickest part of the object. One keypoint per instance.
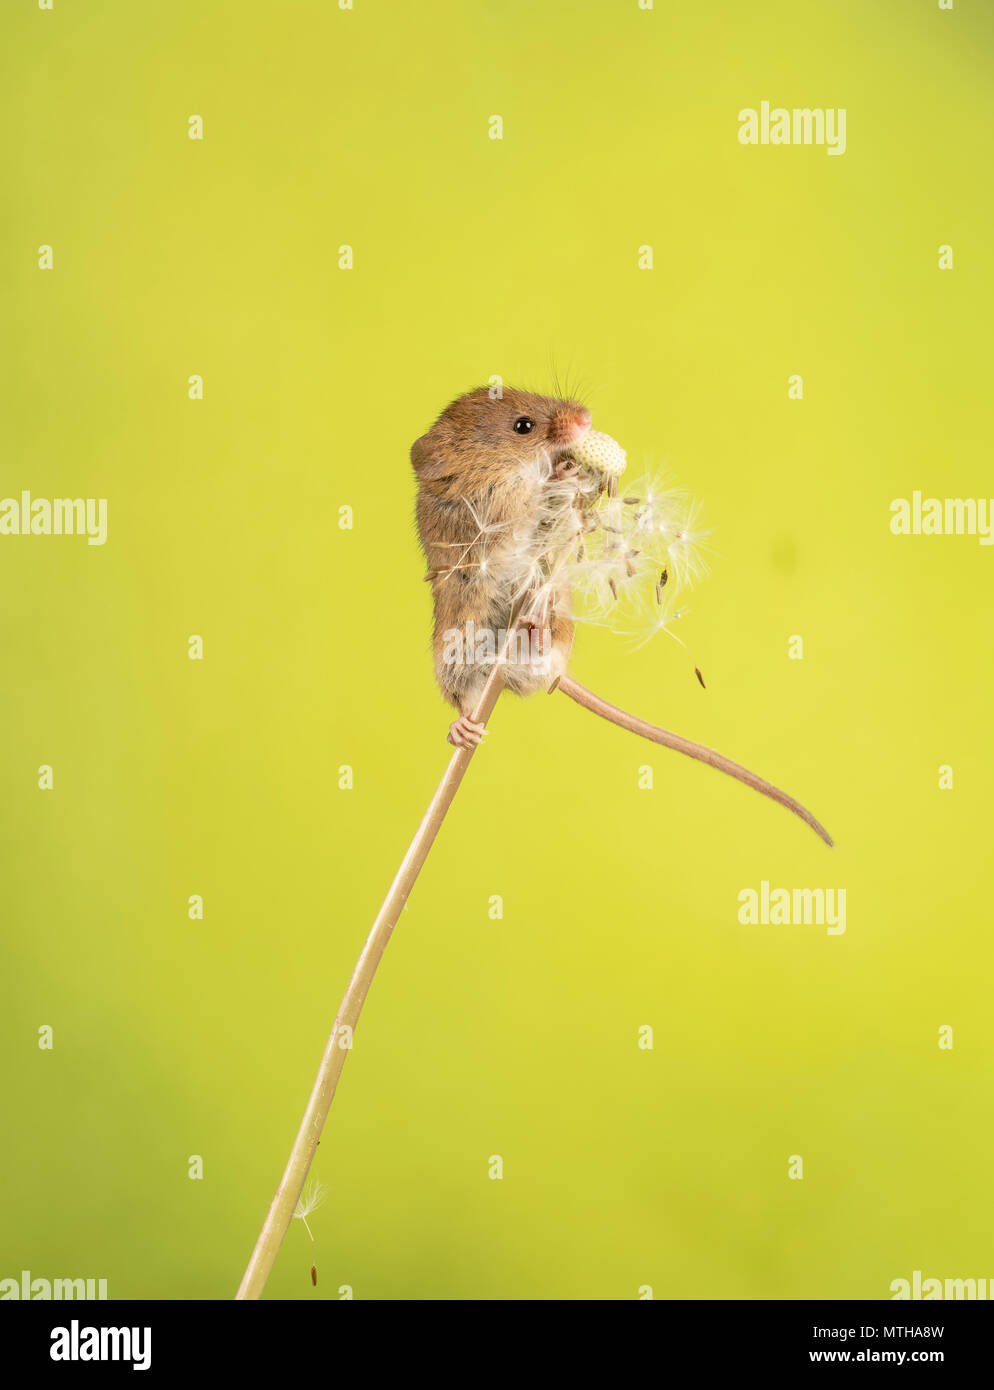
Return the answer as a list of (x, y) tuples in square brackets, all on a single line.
[(309, 1135)]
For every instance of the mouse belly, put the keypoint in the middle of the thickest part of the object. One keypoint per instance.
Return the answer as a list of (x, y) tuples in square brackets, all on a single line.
[(469, 642), (536, 658)]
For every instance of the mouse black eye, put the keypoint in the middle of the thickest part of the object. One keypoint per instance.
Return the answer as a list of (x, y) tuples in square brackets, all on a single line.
[(523, 425)]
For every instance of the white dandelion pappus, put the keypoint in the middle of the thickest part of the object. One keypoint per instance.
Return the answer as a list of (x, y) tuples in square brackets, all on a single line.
[(627, 558), (309, 1200), (639, 555)]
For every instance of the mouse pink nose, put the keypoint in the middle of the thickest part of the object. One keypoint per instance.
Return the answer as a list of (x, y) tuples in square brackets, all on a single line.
[(581, 419)]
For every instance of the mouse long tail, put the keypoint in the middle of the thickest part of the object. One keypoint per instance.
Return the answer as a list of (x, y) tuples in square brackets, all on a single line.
[(596, 705)]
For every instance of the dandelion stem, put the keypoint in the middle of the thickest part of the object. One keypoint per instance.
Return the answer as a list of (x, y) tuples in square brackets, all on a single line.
[(302, 1154)]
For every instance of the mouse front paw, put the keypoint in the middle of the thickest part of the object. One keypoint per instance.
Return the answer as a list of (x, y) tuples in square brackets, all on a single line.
[(465, 732)]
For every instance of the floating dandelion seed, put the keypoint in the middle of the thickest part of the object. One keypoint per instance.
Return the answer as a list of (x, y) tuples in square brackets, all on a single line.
[(309, 1200)]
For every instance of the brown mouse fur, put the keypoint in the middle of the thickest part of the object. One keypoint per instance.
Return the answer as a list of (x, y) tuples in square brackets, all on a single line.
[(481, 484), (480, 481)]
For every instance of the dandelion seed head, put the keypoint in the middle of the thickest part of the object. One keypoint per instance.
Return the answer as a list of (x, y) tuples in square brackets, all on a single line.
[(627, 560)]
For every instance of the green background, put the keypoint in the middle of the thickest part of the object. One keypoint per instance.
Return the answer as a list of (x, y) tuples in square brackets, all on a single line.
[(518, 1037)]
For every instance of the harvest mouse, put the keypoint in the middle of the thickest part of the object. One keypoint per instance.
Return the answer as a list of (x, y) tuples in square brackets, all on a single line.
[(485, 472), (481, 471)]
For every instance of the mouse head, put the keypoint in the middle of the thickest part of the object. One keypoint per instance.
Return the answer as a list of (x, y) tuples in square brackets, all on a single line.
[(518, 432)]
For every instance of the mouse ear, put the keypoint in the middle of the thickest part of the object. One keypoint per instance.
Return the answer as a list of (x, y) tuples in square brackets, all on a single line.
[(429, 463)]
